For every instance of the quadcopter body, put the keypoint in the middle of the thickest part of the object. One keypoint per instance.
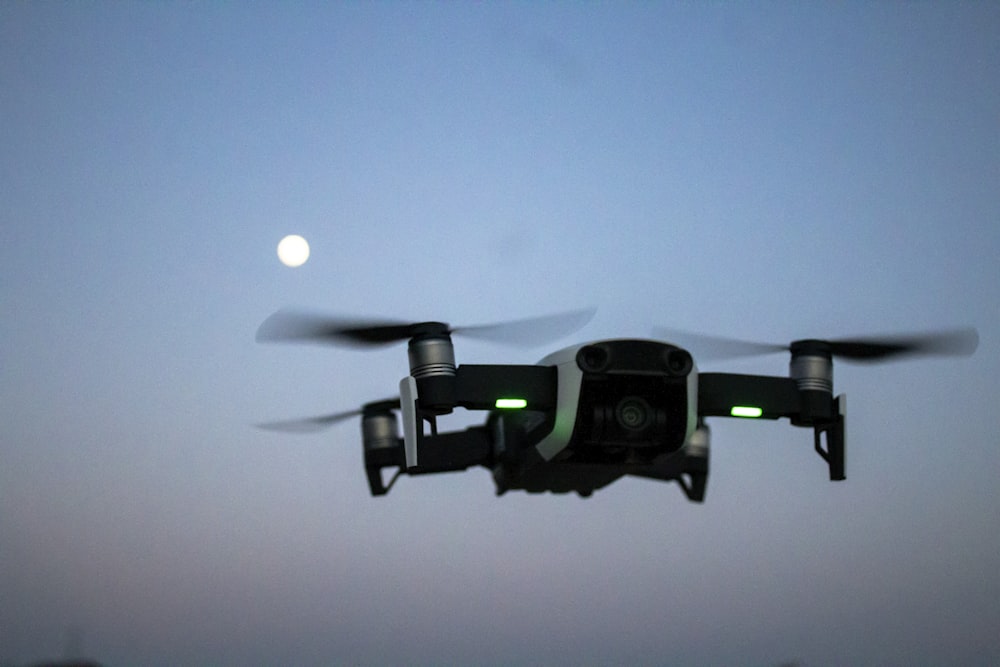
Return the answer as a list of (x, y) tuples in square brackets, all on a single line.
[(606, 409), (588, 414)]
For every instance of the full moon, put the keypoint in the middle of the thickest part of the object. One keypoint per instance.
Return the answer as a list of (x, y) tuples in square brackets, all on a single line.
[(293, 250)]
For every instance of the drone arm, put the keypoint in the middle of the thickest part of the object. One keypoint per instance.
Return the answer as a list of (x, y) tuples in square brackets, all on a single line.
[(474, 387), (442, 452), (776, 397), (719, 393), (446, 452), (478, 387)]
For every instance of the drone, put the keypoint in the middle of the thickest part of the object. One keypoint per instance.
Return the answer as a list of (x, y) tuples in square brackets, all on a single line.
[(589, 414)]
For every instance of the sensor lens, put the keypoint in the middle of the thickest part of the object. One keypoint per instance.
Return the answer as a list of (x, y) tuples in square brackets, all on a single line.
[(592, 358), (634, 413), (679, 362)]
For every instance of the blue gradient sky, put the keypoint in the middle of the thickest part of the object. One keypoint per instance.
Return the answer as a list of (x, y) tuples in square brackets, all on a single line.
[(764, 171)]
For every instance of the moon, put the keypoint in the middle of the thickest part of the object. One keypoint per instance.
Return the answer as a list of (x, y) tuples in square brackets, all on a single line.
[(293, 250)]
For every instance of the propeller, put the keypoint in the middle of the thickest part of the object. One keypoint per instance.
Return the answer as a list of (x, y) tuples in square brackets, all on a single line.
[(304, 327), (314, 424), (864, 349)]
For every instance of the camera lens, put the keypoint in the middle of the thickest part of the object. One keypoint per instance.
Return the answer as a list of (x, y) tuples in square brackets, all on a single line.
[(592, 358), (634, 413)]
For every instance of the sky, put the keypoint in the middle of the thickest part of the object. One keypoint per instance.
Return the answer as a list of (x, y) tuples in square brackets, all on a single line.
[(765, 171)]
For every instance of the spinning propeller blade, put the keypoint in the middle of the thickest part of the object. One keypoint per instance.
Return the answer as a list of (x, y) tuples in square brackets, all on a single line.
[(308, 424), (314, 424), (717, 347), (530, 330), (293, 326), (953, 342), (298, 326)]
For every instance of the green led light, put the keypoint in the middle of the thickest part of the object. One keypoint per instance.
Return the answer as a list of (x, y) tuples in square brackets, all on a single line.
[(746, 411), (511, 403)]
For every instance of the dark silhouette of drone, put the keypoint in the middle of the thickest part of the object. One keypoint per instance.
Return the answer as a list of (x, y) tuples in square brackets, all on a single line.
[(588, 414)]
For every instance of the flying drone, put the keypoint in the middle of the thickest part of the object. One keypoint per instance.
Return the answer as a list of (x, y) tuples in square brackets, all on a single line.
[(591, 413)]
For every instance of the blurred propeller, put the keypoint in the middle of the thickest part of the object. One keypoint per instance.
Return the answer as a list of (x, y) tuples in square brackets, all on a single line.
[(865, 349), (716, 347), (303, 327), (314, 424)]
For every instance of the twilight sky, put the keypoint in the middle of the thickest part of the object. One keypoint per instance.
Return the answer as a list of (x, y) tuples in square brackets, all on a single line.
[(763, 171)]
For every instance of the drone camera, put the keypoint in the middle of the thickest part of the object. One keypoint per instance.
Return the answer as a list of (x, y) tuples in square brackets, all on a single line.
[(633, 394), (646, 417), (634, 414)]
